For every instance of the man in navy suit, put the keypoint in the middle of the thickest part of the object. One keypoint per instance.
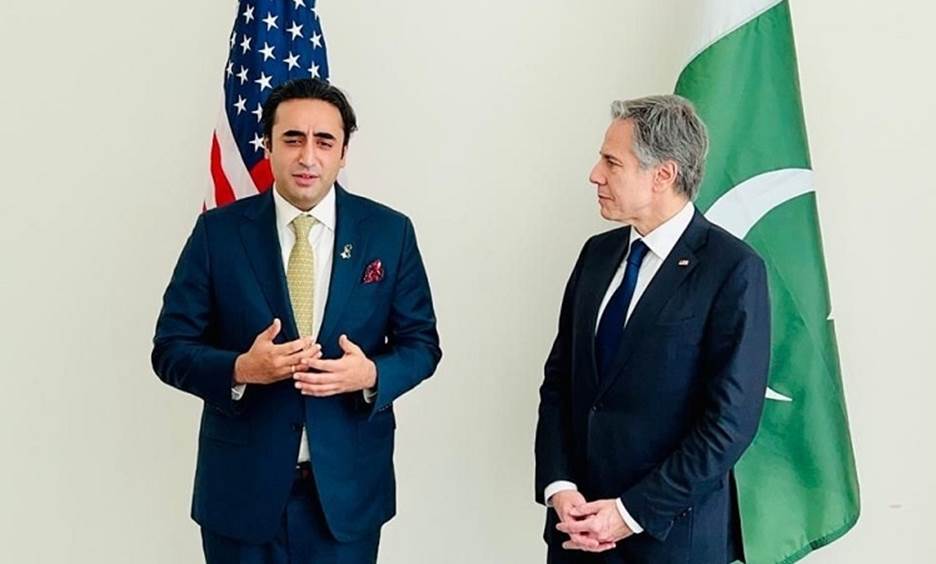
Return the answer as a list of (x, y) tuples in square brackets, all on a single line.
[(656, 380), (298, 316)]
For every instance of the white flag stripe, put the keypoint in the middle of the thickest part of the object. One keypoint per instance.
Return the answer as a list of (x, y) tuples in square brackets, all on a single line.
[(720, 17), (232, 163), (210, 202)]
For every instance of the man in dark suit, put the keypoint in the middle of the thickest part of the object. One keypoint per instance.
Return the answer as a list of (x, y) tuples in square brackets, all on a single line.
[(298, 315), (656, 380)]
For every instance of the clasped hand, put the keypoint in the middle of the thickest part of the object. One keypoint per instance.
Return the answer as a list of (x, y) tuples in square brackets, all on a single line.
[(594, 526)]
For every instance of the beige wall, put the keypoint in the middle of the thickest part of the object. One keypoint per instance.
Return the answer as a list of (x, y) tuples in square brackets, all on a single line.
[(480, 120)]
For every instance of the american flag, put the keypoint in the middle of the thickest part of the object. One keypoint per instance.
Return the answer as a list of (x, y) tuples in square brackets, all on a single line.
[(273, 41)]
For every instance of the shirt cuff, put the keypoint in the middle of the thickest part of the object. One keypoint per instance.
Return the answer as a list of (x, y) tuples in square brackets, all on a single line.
[(369, 395), (556, 487), (237, 392), (633, 525)]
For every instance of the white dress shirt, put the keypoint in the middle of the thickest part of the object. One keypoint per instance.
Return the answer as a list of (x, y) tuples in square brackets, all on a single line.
[(659, 242), (322, 239)]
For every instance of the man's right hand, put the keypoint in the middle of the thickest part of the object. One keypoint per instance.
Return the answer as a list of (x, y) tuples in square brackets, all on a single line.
[(563, 502), (266, 362)]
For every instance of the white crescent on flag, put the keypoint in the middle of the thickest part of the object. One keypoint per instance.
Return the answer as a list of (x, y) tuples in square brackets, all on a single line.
[(739, 209)]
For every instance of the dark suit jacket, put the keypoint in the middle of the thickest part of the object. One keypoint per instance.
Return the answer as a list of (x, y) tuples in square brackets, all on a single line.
[(683, 400), (227, 287)]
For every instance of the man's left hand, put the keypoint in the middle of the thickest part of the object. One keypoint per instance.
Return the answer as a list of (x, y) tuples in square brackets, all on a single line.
[(350, 373), (600, 520)]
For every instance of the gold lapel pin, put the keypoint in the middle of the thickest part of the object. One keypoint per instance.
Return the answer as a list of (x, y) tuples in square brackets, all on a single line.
[(683, 262), (346, 253)]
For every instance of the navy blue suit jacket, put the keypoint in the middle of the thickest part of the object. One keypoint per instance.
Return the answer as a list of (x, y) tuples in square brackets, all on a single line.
[(228, 286), (681, 403)]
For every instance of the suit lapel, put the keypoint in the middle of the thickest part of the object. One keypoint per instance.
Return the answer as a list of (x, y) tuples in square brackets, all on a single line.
[(261, 243), (597, 278), (664, 285), (346, 270)]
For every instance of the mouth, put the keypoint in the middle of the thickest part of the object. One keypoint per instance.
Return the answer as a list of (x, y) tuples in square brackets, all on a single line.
[(305, 179)]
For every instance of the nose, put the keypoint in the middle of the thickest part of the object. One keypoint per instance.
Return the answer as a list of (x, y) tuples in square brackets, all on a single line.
[(596, 176), (307, 155)]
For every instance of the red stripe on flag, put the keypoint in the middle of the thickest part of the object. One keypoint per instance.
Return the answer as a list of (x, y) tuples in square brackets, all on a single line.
[(262, 175), (224, 194)]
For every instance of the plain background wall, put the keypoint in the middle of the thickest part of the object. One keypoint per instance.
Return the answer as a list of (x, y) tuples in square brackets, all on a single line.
[(480, 120)]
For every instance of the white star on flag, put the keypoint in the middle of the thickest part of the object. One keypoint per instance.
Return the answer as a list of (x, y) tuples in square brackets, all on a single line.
[(264, 81), (267, 51), (257, 142), (258, 112), (241, 105), (292, 61), (314, 70), (316, 40), (242, 75), (245, 45), (298, 3), (249, 14), (295, 31), (270, 21)]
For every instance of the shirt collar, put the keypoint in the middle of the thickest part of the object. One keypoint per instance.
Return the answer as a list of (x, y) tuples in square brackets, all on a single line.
[(324, 212), (661, 240)]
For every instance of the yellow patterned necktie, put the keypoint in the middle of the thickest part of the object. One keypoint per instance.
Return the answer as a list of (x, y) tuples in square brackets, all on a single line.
[(300, 275)]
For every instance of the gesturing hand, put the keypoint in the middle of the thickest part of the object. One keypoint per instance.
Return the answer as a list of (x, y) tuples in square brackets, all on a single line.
[(350, 373), (267, 362)]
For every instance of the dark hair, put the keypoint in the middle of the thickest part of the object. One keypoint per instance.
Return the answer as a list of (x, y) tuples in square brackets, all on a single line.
[(310, 89)]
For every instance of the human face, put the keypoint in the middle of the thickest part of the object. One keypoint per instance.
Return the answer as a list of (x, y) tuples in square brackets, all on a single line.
[(625, 190), (306, 150)]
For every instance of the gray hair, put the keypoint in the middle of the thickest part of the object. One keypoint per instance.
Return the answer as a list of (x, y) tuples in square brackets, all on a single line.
[(667, 128)]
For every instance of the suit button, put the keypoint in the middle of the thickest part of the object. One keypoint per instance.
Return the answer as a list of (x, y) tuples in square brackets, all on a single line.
[(595, 408), (297, 427)]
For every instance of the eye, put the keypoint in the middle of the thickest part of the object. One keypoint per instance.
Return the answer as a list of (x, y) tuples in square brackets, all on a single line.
[(325, 144)]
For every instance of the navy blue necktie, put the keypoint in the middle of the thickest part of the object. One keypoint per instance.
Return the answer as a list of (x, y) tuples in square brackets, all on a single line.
[(611, 327)]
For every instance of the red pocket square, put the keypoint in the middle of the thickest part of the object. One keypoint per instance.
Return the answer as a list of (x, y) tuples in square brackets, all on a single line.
[(373, 273)]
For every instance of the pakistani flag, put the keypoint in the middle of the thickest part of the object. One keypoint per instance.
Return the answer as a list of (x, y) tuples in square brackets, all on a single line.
[(797, 483)]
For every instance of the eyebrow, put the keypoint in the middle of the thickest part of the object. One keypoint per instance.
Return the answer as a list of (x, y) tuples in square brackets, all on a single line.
[(317, 135)]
